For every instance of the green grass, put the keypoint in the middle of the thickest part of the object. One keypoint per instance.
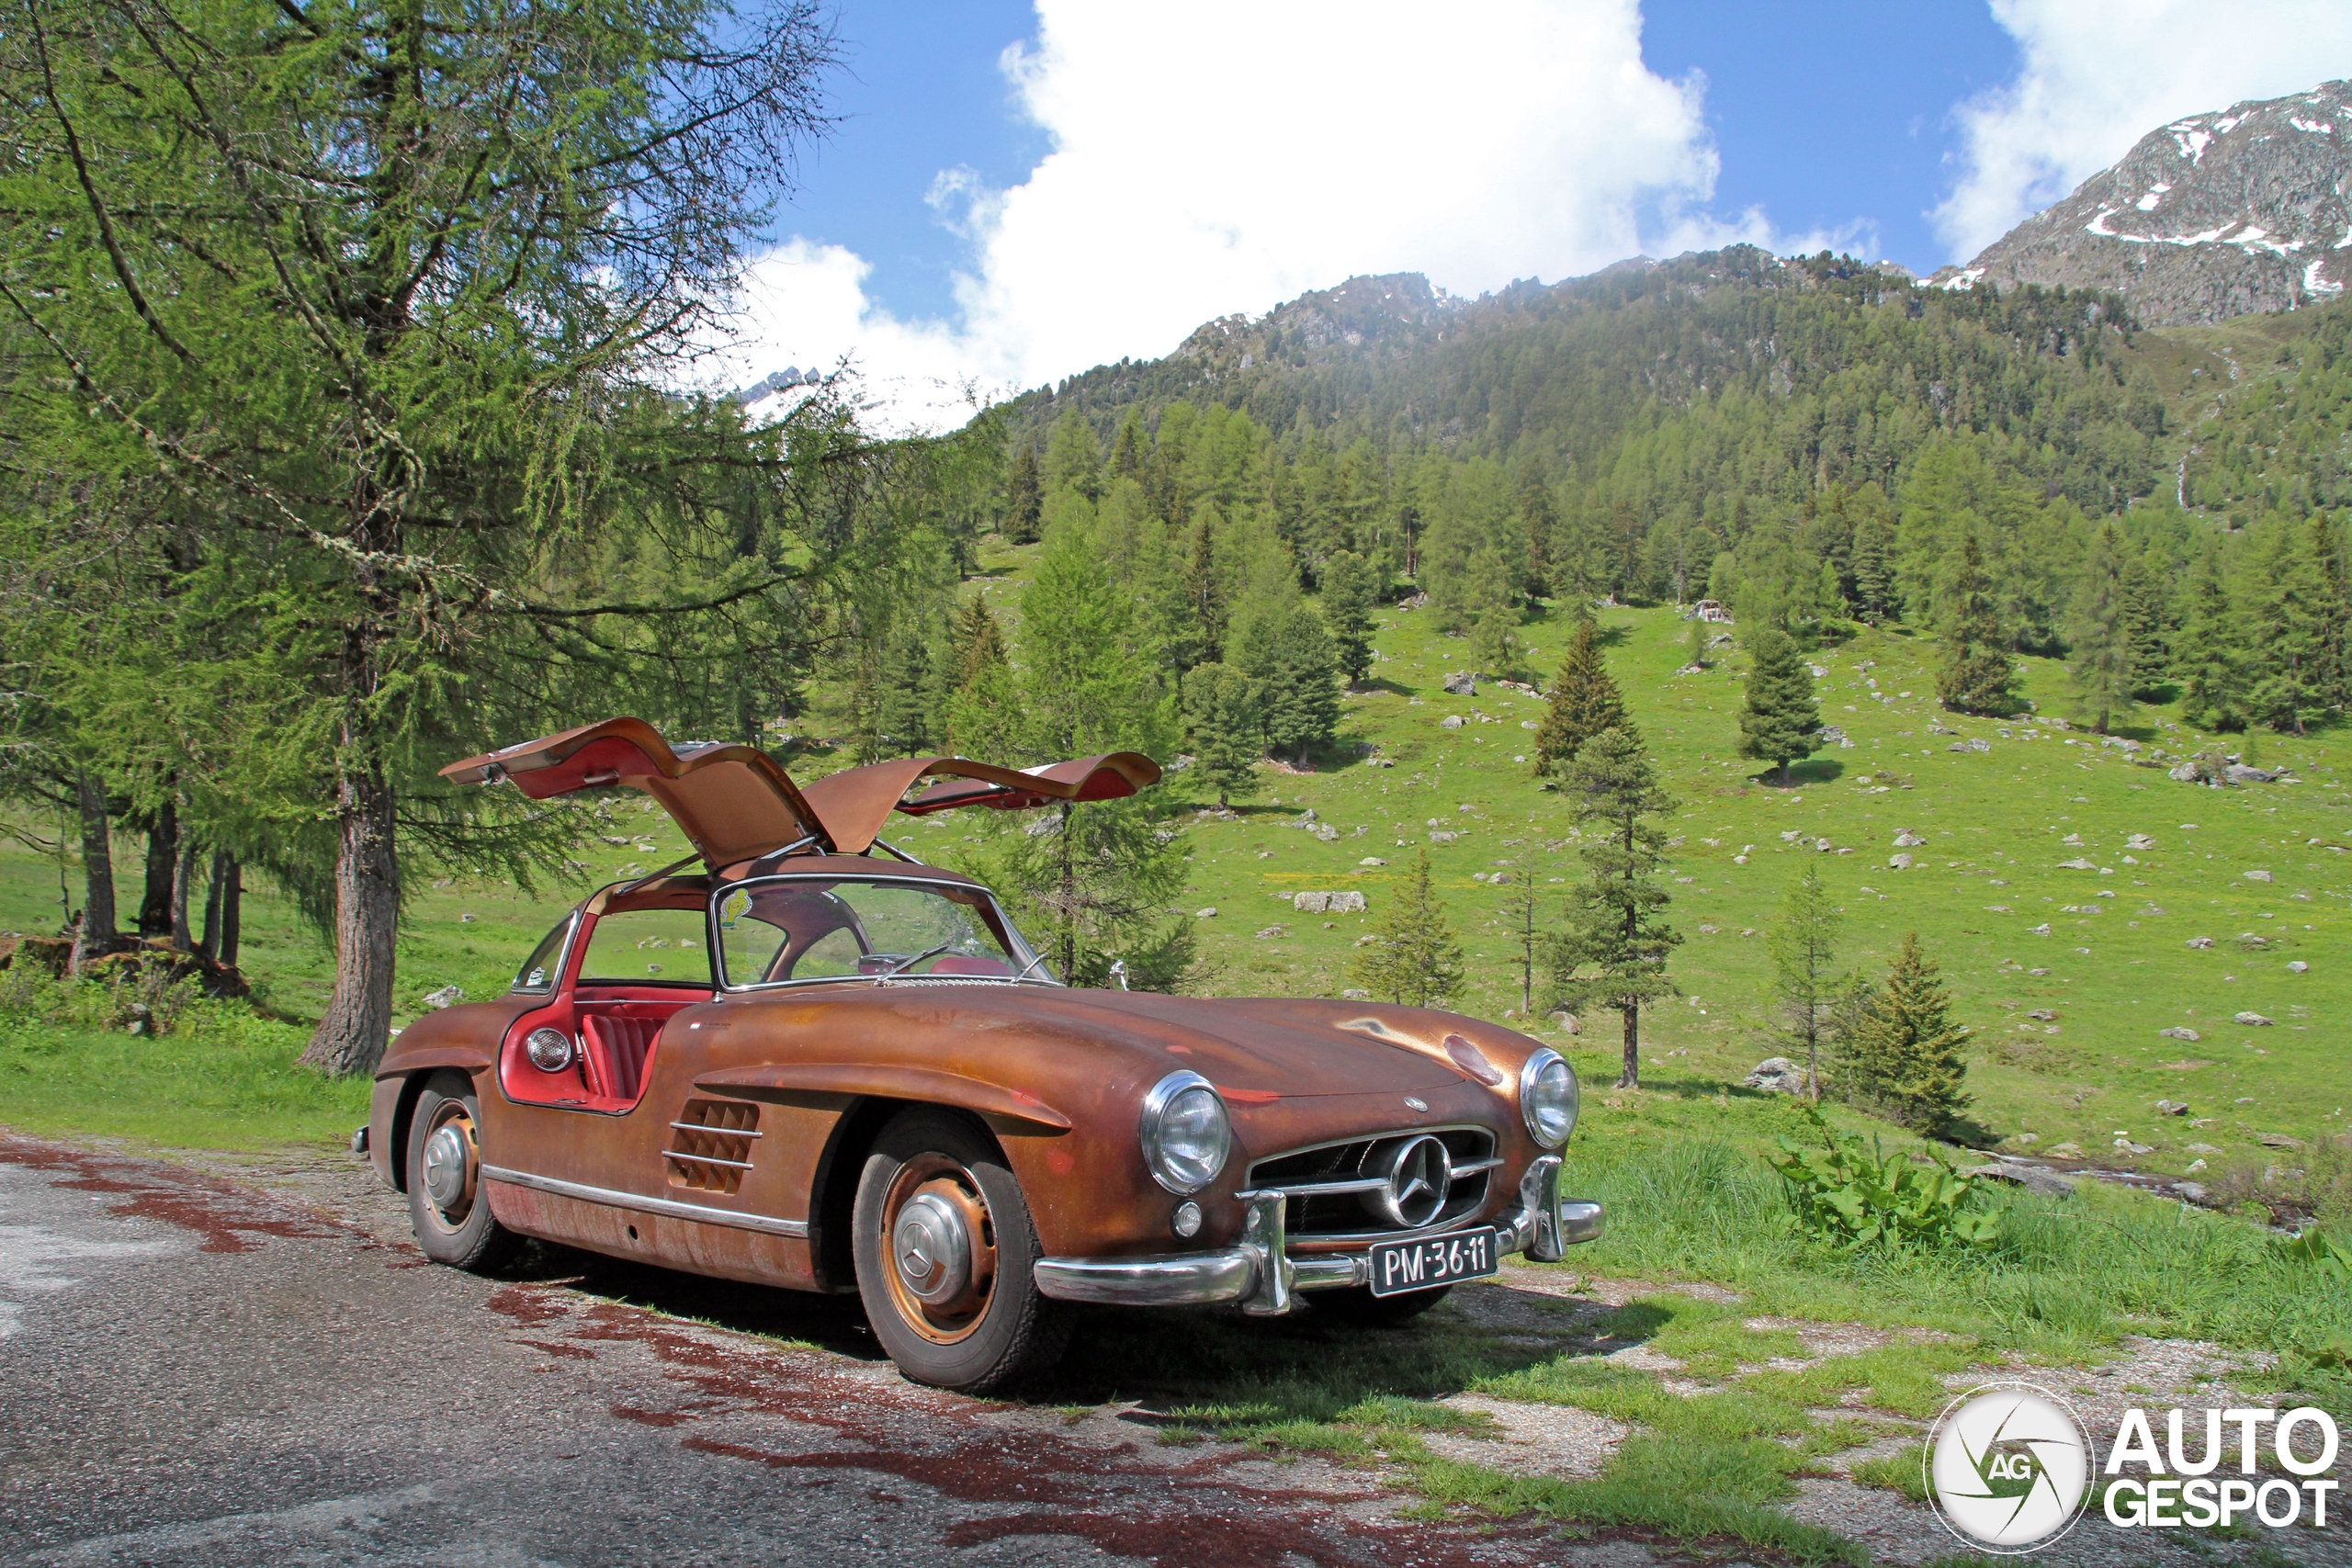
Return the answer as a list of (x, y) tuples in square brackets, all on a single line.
[(224, 1079)]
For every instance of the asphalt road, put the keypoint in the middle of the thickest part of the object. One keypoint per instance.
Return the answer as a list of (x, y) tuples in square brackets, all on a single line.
[(198, 1373)]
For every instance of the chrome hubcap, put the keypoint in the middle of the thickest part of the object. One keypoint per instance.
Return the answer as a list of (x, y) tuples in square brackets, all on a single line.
[(931, 1248), (446, 1158)]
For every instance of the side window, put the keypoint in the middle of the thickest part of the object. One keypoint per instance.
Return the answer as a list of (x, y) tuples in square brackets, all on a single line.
[(647, 946), (538, 973)]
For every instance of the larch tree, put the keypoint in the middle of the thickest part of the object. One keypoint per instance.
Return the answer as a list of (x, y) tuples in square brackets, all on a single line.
[(392, 299), (1584, 701), (1802, 941), (2208, 658), (2098, 630), (1523, 921), (1412, 959), (1977, 675), (1778, 721), (1093, 879), (1613, 952)]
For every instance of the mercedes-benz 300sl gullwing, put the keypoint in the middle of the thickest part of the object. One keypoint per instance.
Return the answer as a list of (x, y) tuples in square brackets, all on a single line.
[(809, 1060)]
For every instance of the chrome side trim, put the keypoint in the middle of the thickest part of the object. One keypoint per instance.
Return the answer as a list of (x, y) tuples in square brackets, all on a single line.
[(721, 1132), (668, 1207)]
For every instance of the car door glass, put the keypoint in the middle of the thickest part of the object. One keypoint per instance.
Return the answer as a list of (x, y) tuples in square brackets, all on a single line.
[(647, 946), (539, 971)]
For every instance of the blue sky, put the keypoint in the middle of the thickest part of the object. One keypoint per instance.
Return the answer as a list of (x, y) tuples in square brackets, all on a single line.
[(1018, 189), (1833, 116)]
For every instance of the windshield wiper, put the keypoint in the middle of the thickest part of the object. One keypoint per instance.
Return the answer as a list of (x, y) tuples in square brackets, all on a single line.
[(1024, 974), (910, 963)]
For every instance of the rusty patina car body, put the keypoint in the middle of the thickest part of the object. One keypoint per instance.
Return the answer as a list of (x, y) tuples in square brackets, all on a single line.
[(781, 1096)]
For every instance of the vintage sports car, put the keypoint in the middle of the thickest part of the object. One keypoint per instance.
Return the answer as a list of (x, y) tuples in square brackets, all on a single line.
[(813, 1066)]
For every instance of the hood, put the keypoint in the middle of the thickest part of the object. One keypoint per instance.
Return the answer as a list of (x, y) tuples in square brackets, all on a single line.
[(1252, 1049)]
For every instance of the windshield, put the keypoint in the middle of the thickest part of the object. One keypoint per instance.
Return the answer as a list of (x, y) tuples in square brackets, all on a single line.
[(782, 929)]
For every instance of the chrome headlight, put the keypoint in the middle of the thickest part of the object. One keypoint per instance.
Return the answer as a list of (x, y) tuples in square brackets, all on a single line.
[(1547, 1097), (1186, 1133)]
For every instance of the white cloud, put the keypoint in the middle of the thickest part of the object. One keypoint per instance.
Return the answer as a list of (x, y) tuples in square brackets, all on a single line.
[(1224, 156), (2098, 74)]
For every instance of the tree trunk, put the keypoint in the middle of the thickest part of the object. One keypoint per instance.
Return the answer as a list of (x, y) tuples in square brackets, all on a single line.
[(232, 901), (99, 934), (350, 1038), (209, 942), (183, 883), (1631, 1077), (162, 864)]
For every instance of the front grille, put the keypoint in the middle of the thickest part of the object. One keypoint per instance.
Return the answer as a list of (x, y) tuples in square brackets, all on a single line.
[(711, 1145), (1351, 1216)]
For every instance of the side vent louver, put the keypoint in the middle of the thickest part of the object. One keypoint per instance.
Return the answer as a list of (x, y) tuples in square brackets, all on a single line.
[(711, 1144)]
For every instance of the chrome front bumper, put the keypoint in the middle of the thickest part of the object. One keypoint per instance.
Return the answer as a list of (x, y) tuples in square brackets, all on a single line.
[(1261, 1274)]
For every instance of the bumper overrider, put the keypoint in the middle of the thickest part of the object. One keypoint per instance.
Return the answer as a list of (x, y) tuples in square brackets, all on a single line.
[(1261, 1274)]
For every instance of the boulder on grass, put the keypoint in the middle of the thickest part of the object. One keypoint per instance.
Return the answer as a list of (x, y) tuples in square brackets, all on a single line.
[(1778, 1074)]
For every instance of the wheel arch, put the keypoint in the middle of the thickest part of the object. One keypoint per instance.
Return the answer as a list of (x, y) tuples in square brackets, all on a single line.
[(413, 1087), (833, 1192)]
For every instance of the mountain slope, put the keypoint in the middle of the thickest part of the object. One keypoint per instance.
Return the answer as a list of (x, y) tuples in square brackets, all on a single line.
[(2212, 216)]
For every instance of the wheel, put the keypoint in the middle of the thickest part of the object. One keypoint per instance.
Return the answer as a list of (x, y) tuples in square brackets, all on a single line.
[(446, 1205), (945, 1257), (1356, 1304)]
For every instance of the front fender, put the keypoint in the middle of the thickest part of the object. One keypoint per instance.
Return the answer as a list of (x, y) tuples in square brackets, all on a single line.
[(884, 1080)]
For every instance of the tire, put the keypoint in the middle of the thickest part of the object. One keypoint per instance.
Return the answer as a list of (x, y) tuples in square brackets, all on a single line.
[(1357, 1305), (946, 1257), (455, 1227)]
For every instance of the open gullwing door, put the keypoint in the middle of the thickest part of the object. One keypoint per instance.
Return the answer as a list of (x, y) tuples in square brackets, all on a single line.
[(856, 803), (733, 802)]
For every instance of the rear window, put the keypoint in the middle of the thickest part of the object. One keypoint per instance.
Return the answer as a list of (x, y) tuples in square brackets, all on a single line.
[(648, 946)]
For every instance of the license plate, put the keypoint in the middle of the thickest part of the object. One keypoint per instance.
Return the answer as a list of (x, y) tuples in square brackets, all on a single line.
[(1401, 1266)]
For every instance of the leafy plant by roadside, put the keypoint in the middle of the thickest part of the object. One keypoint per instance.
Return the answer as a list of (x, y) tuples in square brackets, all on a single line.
[(2313, 1250), (1853, 1197)]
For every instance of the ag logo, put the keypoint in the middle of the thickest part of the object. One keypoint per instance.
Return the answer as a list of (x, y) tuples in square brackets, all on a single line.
[(2008, 1466)]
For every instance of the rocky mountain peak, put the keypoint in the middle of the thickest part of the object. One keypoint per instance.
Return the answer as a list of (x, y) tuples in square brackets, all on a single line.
[(2212, 216)]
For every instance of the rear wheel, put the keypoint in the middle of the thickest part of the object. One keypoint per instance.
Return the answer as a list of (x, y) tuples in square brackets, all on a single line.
[(445, 1202), (945, 1257), (1356, 1304)]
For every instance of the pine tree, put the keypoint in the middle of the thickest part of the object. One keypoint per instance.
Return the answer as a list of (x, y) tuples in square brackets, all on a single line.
[(1779, 722), (903, 717), (1127, 452), (1226, 710), (1700, 638), (1073, 462), (1025, 497), (1301, 679), (2208, 658), (983, 710), (1583, 702), (2148, 645), (1613, 952), (1906, 1055), (1802, 941), (2098, 629), (1201, 630), (1348, 591), (1412, 959), (1874, 589), (1978, 675)]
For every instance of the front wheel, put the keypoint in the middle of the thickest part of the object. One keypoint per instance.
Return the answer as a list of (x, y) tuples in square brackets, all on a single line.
[(446, 1204), (946, 1258)]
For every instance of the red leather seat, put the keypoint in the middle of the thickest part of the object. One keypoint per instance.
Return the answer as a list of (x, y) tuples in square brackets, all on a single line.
[(618, 1047)]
